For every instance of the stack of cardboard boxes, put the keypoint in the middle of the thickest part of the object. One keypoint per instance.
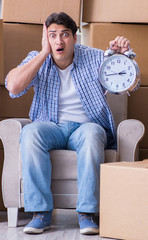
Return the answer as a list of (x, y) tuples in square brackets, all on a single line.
[(21, 32), (124, 186)]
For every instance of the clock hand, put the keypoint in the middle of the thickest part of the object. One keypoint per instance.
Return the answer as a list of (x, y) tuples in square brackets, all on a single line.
[(114, 73), (122, 72), (110, 74)]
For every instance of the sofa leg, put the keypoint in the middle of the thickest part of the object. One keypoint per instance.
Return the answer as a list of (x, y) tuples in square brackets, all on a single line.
[(12, 214)]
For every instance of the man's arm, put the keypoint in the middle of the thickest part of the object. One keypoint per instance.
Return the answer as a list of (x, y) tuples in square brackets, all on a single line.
[(19, 78)]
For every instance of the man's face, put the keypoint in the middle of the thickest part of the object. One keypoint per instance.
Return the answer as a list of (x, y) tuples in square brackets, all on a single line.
[(62, 43)]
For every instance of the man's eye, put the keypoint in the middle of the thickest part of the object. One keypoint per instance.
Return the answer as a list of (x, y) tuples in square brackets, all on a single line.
[(52, 35), (65, 34)]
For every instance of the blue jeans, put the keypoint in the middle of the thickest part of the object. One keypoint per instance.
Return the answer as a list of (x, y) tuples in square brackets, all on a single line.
[(37, 139)]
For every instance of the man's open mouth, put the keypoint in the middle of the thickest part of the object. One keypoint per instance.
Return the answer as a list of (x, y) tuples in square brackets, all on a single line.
[(60, 49)]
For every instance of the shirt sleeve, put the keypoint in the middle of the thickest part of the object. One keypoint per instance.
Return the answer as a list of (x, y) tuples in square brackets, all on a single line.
[(29, 57), (100, 57)]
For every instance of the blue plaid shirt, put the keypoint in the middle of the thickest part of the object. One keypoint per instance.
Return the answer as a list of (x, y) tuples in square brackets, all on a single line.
[(85, 75)]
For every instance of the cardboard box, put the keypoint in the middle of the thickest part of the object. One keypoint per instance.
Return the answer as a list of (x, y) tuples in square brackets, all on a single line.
[(115, 11), (19, 40), (99, 34), (138, 109), (124, 200), (1, 52), (36, 11), (15, 108), (143, 154), (1, 145)]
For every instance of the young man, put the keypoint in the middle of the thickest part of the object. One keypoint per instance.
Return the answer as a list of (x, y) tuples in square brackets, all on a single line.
[(69, 111)]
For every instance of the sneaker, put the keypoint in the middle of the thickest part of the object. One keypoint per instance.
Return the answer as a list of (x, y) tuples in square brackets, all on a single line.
[(87, 224), (41, 221)]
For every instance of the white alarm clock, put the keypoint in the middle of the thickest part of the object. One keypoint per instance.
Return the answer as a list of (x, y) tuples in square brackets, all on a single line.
[(119, 73)]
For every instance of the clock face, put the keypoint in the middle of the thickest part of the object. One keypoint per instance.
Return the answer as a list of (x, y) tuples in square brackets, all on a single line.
[(117, 73)]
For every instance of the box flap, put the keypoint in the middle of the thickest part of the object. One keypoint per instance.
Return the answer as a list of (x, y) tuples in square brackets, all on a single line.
[(137, 164)]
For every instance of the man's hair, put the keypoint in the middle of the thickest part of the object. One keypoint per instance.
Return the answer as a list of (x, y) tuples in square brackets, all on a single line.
[(62, 19)]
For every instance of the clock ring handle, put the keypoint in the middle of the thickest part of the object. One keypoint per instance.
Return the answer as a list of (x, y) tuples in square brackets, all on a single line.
[(109, 52), (130, 53)]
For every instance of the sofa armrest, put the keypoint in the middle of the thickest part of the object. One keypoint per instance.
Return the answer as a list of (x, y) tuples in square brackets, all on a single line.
[(10, 134), (129, 133)]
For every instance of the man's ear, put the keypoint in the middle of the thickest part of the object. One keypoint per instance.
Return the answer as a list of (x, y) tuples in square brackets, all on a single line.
[(75, 38)]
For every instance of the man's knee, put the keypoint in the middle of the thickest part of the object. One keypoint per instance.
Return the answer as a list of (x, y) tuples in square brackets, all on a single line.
[(30, 134), (93, 132)]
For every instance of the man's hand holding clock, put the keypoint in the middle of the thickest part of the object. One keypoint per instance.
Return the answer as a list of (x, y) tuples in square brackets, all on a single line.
[(120, 44), (119, 73)]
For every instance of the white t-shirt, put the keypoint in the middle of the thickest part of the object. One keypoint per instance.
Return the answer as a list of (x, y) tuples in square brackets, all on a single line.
[(70, 106)]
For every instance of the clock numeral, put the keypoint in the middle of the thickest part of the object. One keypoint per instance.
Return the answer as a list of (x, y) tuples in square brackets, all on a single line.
[(117, 86), (123, 85), (108, 67), (111, 83), (129, 67), (118, 61), (128, 80), (106, 79), (130, 74), (112, 63)]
